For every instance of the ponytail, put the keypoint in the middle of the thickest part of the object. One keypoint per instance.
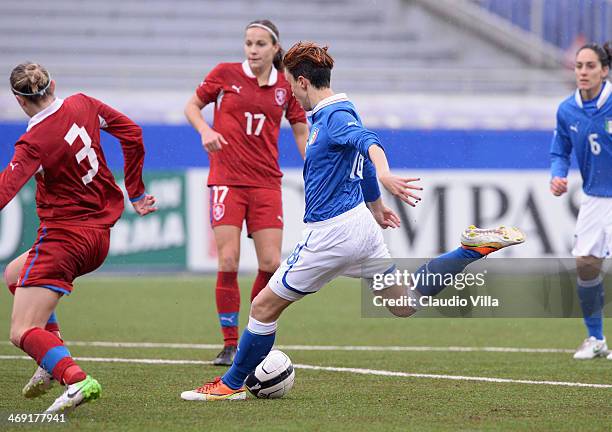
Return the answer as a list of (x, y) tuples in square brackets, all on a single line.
[(31, 81), (278, 58)]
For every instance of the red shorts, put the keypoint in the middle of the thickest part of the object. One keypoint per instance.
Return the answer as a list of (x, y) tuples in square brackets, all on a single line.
[(61, 254), (260, 207)]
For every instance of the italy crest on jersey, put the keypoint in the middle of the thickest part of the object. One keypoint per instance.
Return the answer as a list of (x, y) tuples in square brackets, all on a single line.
[(280, 96), (313, 136), (608, 125)]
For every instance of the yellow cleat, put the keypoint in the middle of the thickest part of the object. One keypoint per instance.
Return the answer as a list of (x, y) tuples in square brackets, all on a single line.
[(485, 241)]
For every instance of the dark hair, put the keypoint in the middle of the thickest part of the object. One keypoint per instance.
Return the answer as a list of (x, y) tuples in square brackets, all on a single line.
[(310, 61), (278, 58), (31, 81), (604, 53)]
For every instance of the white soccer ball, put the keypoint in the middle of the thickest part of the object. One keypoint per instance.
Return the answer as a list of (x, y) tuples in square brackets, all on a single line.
[(273, 377)]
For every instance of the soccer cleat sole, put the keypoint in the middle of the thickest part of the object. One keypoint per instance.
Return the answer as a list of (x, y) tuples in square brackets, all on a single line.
[(232, 397), (37, 389), (602, 354), (198, 397), (508, 237)]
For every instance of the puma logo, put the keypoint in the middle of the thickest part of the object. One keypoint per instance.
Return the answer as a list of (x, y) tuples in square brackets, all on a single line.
[(13, 165), (237, 88)]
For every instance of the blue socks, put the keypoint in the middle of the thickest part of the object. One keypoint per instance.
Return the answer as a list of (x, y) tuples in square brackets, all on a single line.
[(591, 295), (255, 344), (453, 262)]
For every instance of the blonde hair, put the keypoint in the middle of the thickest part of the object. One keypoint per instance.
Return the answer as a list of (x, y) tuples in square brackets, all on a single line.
[(31, 81)]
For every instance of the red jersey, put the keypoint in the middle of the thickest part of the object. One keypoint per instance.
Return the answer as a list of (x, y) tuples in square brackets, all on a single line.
[(249, 118), (62, 148)]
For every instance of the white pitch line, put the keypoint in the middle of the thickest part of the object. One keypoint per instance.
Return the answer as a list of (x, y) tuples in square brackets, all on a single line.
[(336, 369), (106, 344), (421, 348), (448, 377), (121, 360)]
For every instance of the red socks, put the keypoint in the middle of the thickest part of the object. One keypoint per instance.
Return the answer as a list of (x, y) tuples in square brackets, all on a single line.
[(260, 283), (73, 374), (227, 294), (53, 326), (51, 354)]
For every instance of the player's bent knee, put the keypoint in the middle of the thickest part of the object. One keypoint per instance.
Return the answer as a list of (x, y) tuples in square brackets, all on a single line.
[(265, 309), (401, 311), (588, 267), (396, 299), (261, 310)]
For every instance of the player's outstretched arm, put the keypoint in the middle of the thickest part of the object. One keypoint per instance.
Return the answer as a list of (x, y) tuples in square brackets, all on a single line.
[(400, 187), (145, 205), (129, 135)]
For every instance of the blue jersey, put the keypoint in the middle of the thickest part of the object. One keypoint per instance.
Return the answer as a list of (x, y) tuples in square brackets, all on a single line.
[(337, 160), (587, 128)]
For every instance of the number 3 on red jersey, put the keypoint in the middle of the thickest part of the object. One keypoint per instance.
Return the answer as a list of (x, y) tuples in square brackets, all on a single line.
[(86, 152)]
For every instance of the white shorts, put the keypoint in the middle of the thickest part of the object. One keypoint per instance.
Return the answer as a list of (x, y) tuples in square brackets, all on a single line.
[(350, 244), (593, 235)]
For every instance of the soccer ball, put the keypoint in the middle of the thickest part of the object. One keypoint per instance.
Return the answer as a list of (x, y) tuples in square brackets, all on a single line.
[(273, 377)]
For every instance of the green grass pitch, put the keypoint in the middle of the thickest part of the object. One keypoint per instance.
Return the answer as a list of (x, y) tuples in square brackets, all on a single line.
[(177, 309)]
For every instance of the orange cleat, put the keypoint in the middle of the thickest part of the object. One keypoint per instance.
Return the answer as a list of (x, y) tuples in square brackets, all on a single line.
[(214, 391)]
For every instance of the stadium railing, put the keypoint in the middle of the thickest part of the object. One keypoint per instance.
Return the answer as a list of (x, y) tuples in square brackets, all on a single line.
[(563, 23)]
